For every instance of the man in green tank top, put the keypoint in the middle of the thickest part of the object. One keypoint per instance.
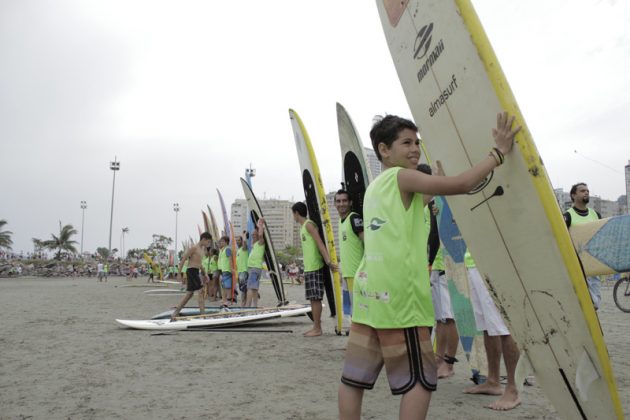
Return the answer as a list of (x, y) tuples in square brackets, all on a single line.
[(576, 215), (392, 308), (316, 258), (350, 240), (255, 263)]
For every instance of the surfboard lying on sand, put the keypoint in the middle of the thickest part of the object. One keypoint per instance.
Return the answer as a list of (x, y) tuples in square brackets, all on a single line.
[(318, 213), (511, 222), (245, 316), (165, 292), (604, 245), (193, 311), (270, 254), (144, 285)]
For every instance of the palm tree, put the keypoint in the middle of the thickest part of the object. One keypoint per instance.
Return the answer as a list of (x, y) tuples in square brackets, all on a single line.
[(5, 236), (63, 242)]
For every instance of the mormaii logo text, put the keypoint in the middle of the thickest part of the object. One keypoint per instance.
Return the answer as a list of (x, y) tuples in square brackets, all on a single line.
[(421, 50)]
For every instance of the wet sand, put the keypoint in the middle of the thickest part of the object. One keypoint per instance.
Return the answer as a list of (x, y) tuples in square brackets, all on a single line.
[(63, 356)]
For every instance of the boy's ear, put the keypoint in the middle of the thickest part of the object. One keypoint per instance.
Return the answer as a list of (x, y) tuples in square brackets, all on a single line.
[(383, 150)]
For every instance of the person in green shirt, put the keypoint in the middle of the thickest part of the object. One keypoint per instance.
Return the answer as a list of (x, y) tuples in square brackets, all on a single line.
[(226, 265), (392, 309), (350, 234), (578, 214), (255, 263), (242, 255), (446, 335), (214, 291), (315, 257)]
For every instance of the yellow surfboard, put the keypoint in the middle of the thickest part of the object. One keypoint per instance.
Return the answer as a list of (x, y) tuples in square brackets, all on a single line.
[(318, 213)]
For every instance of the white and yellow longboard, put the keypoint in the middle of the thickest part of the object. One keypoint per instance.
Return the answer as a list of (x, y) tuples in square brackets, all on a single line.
[(318, 212), (511, 222)]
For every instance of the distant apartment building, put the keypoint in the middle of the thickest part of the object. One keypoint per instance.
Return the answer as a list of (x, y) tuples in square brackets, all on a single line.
[(373, 162), (628, 188), (279, 220)]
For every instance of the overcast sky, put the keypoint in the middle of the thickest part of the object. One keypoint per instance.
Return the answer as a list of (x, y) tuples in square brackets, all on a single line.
[(187, 94)]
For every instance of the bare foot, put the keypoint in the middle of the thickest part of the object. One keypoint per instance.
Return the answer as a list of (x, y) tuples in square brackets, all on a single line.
[(486, 388), (445, 371), (508, 401), (313, 333)]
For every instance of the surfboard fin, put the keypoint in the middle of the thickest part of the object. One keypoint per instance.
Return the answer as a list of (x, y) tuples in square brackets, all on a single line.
[(585, 375)]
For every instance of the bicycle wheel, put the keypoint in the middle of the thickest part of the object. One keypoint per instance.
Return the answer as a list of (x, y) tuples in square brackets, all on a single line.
[(621, 293)]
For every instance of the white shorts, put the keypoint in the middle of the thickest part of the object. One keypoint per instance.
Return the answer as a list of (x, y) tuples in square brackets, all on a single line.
[(441, 297), (487, 316)]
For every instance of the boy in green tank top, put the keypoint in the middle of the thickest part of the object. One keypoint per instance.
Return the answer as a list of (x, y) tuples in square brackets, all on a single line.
[(392, 308), (316, 258), (226, 265)]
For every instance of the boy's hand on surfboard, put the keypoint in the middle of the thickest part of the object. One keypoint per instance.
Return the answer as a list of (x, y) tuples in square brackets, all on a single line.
[(504, 134)]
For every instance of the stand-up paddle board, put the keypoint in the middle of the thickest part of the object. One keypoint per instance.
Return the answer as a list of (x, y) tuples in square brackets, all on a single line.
[(511, 222), (603, 245), (270, 254), (318, 213), (244, 316), (356, 177)]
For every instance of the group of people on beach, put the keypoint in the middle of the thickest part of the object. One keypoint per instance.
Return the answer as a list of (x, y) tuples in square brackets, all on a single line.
[(211, 272), (386, 269), (393, 268)]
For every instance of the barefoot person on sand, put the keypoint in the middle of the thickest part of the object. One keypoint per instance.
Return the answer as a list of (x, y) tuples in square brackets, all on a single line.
[(392, 308), (497, 340), (193, 256), (315, 258)]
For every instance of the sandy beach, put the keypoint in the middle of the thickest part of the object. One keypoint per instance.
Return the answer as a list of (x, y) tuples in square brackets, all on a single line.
[(64, 356)]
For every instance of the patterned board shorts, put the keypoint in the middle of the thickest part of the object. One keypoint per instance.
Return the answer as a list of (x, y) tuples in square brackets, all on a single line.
[(407, 354), (314, 284)]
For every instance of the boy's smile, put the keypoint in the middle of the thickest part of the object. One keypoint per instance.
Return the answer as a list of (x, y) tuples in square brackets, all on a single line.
[(404, 151)]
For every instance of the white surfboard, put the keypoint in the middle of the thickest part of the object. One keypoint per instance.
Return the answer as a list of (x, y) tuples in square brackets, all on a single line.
[(511, 222), (218, 319)]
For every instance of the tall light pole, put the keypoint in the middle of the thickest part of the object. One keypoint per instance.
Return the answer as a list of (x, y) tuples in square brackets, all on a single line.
[(122, 241), (83, 207), (176, 210), (114, 166)]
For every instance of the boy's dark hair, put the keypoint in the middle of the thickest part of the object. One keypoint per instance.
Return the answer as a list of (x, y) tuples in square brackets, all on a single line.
[(386, 130), (574, 189), (205, 235), (424, 168), (299, 208), (212, 251), (226, 239), (342, 191)]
